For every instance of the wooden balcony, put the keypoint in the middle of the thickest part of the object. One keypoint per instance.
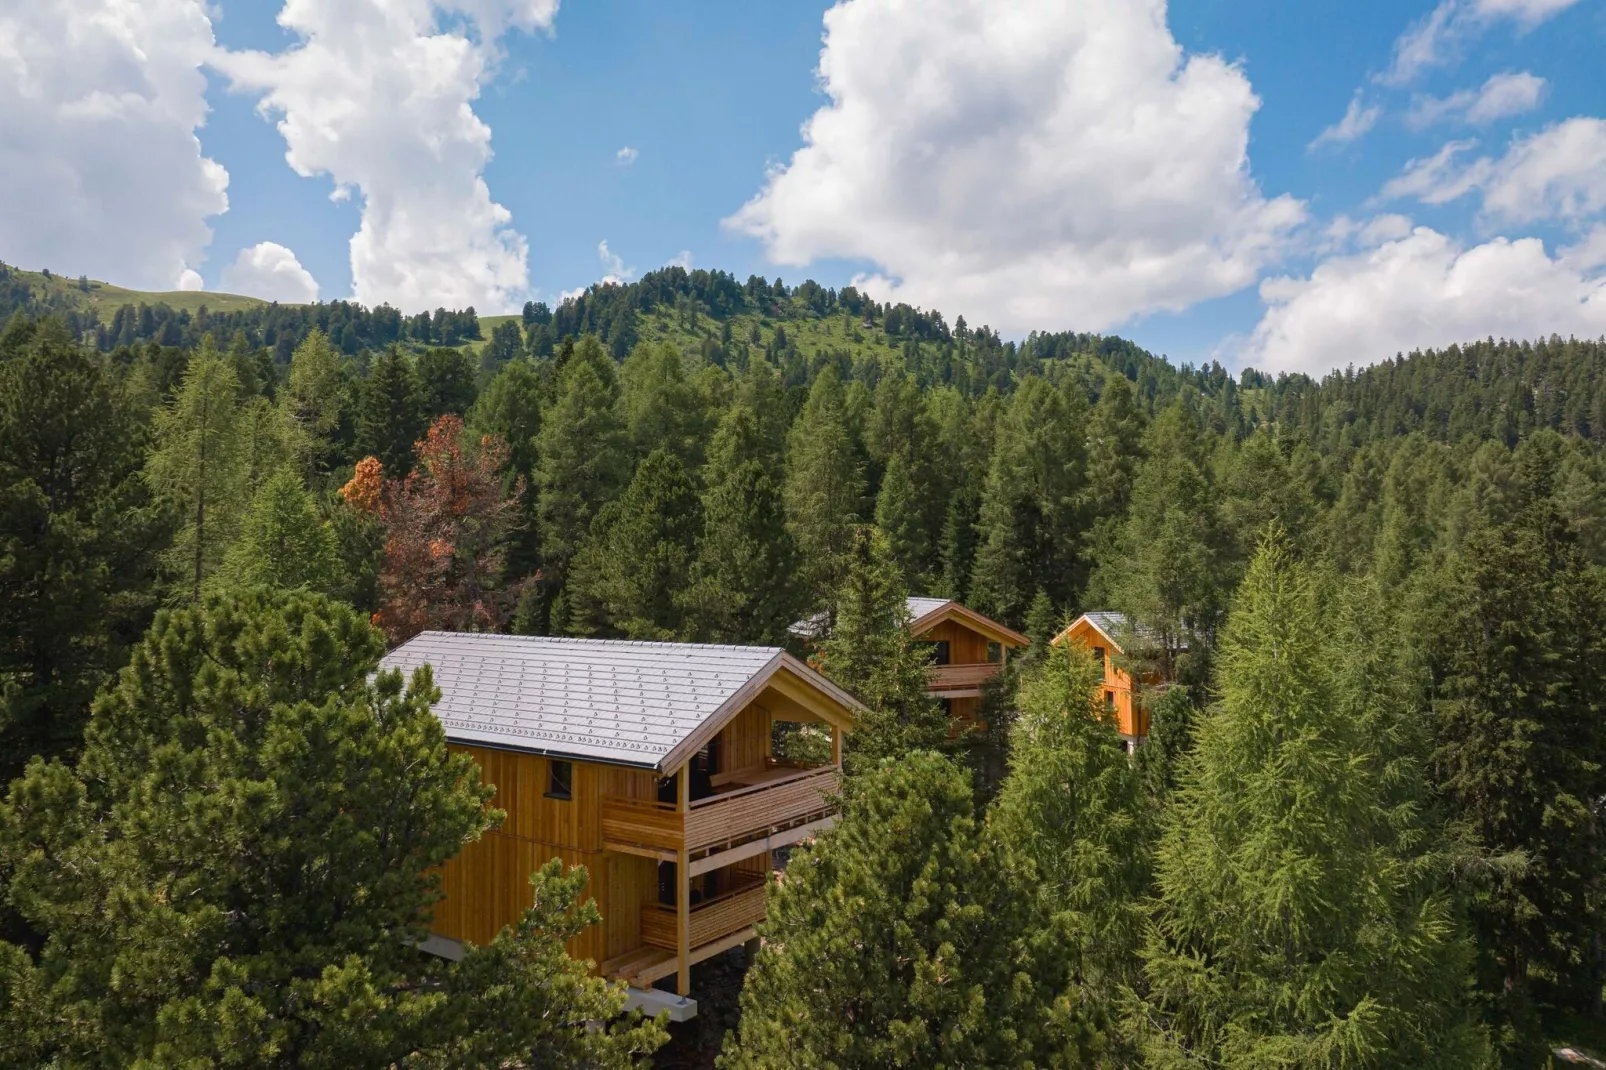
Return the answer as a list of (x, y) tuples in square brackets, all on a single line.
[(711, 921), (753, 805), (947, 681)]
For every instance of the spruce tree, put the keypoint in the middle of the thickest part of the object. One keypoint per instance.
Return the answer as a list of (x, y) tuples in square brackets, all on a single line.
[(200, 465), (240, 867), (896, 941), (446, 382), (898, 515), (282, 543), (630, 576), (824, 482), (1114, 450), (870, 652), (79, 536), (1303, 916), (743, 587), (663, 408), (1521, 729), (1031, 524), (583, 458), (390, 413)]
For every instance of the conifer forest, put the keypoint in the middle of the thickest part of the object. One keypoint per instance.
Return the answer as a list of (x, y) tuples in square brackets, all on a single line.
[(1367, 827)]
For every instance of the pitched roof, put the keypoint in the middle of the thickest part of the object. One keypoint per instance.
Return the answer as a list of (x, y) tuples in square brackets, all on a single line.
[(1113, 626), (919, 607), (629, 703), (925, 613)]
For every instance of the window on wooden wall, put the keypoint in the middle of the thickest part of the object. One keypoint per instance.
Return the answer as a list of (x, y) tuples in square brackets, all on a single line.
[(995, 652), (1098, 657), (1109, 701), (941, 652), (560, 779)]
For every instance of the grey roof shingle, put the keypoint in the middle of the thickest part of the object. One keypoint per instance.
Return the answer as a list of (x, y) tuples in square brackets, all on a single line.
[(919, 607), (812, 626), (602, 700)]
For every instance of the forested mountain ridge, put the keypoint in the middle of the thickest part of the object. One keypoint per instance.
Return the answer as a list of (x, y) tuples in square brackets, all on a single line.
[(692, 458)]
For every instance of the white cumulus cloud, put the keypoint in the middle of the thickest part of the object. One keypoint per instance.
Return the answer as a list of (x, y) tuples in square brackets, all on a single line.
[(1027, 164), (1557, 173), (1426, 290), (100, 167), (1501, 97), (378, 95), (270, 271), (1358, 119), (626, 156)]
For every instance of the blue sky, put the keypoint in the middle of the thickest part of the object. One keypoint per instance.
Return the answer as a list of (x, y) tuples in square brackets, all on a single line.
[(1005, 167)]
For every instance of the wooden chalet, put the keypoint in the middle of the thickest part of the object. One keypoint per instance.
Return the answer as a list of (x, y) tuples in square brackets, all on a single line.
[(1101, 633), (968, 649), (651, 764)]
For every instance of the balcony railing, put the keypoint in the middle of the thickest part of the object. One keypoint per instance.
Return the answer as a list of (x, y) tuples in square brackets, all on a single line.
[(710, 920), (781, 799), (940, 678)]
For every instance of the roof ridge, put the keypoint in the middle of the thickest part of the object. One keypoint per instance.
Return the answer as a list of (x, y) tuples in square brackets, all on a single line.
[(586, 641)]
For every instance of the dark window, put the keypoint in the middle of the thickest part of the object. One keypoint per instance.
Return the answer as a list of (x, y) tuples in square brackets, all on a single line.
[(560, 779), (667, 885), (1109, 700), (1098, 657), (995, 652), (948, 706), (940, 654)]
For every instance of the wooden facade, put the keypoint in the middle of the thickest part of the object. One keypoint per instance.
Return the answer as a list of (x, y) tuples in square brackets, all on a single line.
[(969, 650), (1121, 700), (676, 863)]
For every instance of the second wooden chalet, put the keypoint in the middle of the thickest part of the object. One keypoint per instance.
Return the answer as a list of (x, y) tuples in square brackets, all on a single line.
[(967, 649), (1102, 634), (653, 765)]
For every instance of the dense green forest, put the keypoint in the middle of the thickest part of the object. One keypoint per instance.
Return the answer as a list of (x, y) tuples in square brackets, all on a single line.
[(1366, 831)]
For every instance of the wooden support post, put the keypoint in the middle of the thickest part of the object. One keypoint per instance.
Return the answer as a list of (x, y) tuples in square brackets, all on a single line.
[(683, 892), (836, 746)]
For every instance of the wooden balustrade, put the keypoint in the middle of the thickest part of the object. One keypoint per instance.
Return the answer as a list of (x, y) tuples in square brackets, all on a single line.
[(960, 677), (724, 819), (721, 916)]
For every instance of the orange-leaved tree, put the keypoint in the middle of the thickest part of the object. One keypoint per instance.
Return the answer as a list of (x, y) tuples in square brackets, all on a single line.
[(446, 531)]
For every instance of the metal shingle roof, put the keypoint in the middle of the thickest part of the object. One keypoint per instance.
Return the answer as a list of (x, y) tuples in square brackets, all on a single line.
[(919, 607), (597, 699)]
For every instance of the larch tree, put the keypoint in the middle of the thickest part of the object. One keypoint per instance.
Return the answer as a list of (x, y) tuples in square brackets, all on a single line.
[(200, 464), (239, 869), (313, 399), (869, 651), (1304, 913), (631, 574), (1077, 832), (583, 460), (824, 484), (898, 515), (79, 540), (895, 940), (663, 408), (283, 543)]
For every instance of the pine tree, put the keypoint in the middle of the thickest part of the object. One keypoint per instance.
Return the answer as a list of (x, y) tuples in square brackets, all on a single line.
[(895, 941), (1075, 827), (282, 543), (239, 868), (824, 483), (1302, 915), (78, 540), (1521, 717), (743, 586), (583, 460), (446, 382), (870, 652), (630, 575), (1030, 525), (390, 413), (200, 464), (1114, 450)]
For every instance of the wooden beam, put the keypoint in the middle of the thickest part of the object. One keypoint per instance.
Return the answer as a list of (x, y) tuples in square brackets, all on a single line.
[(683, 895), (836, 746), (657, 854)]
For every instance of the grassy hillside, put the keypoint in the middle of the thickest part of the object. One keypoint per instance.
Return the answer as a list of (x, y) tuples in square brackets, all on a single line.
[(103, 299)]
